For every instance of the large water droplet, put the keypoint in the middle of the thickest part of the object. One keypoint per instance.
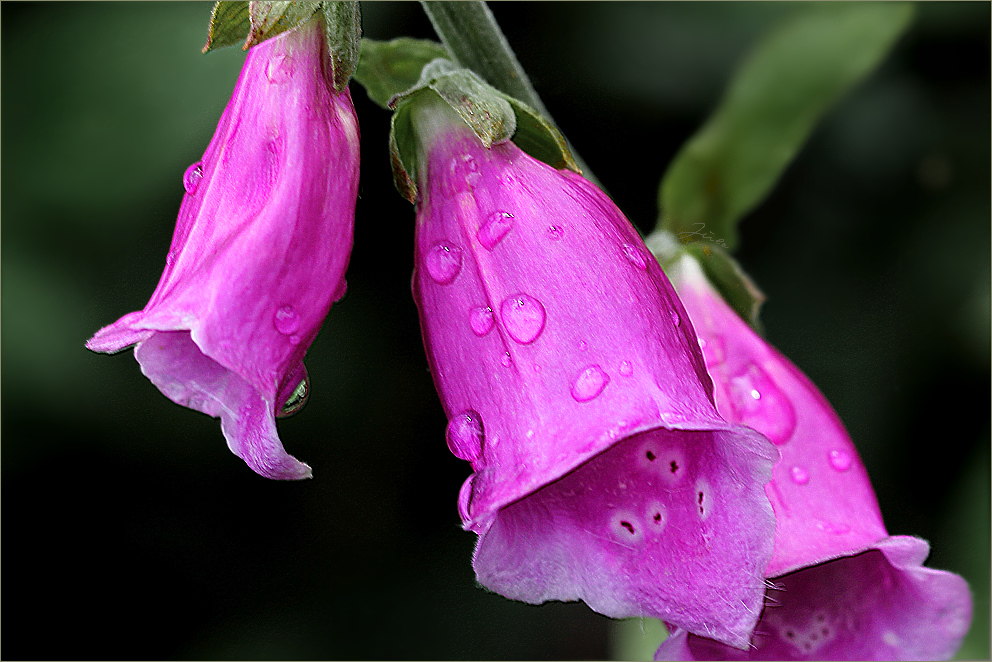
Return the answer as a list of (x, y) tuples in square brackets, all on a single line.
[(286, 320), (760, 404), (555, 232), (497, 225), (192, 177), (279, 69), (799, 475), (714, 351), (297, 399), (465, 499), (840, 460), (589, 384), (626, 368), (634, 256), (523, 316), (465, 436), (444, 261), (481, 320)]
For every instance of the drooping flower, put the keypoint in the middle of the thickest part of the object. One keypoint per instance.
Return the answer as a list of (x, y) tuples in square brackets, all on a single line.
[(259, 252), (573, 383), (843, 588)]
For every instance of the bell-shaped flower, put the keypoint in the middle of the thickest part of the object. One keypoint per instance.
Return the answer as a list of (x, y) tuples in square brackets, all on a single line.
[(259, 252), (573, 384), (842, 588)]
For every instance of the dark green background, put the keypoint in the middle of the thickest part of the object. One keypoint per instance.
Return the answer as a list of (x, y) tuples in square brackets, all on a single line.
[(130, 531)]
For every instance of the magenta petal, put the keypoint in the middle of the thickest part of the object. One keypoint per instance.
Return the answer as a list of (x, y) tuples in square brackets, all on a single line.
[(173, 362), (259, 252), (560, 351), (878, 605), (672, 513)]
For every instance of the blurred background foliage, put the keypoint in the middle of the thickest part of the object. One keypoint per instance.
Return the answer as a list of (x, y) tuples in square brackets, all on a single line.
[(132, 532)]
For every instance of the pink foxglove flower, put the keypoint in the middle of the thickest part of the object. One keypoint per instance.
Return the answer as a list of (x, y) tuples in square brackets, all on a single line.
[(259, 253), (574, 386), (843, 589)]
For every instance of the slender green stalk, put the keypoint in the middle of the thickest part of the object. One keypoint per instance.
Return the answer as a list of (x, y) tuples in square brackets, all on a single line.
[(472, 36)]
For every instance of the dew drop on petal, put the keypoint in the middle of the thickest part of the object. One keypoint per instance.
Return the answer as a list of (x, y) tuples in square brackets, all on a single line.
[(523, 316), (626, 368), (840, 460), (481, 320), (583, 345), (297, 399), (497, 225), (589, 384), (676, 320), (714, 351), (760, 404), (505, 360), (465, 499), (555, 232), (279, 69), (799, 475), (444, 261), (286, 320), (465, 436), (192, 177), (634, 256)]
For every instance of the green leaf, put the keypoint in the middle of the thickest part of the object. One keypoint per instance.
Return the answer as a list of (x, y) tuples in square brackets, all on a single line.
[(796, 73), (229, 25), (269, 19), (343, 31), (388, 68)]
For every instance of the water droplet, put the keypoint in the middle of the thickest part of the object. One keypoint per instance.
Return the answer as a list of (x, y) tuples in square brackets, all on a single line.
[(469, 162), (481, 320), (192, 177), (714, 351), (634, 256), (537, 367), (626, 368), (840, 460), (286, 320), (799, 475), (170, 259), (495, 228), (555, 232), (444, 261), (758, 403), (589, 384), (583, 345), (296, 399), (676, 320), (523, 316), (465, 499), (465, 436), (279, 69), (505, 360)]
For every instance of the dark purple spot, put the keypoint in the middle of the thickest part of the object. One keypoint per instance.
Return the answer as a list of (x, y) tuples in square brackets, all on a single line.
[(674, 467), (790, 634), (628, 526), (651, 456), (657, 517)]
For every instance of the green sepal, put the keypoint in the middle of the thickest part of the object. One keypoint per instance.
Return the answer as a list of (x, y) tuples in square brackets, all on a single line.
[(403, 151), (388, 68), (269, 19), (343, 31), (540, 138), (229, 25), (722, 270), (796, 73)]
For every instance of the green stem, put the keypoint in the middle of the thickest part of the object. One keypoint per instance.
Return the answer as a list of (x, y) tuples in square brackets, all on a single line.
[(472, 36)]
